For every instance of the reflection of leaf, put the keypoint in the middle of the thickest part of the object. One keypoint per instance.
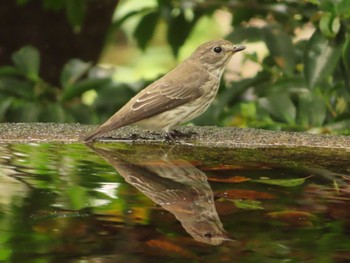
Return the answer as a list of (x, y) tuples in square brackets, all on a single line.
[(167, 247), (232, 179), (244, 194), (295, 218), (282, 182), (160, 163), (248, 204), (222, 167), (77, 196)]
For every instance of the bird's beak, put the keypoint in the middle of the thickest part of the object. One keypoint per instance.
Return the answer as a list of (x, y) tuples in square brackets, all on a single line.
[(237, 49)]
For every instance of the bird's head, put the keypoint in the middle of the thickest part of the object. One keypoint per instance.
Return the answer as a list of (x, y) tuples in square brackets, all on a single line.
[(214, 55)]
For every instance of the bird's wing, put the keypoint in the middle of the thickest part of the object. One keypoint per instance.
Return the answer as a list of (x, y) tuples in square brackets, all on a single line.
[(160, 96)]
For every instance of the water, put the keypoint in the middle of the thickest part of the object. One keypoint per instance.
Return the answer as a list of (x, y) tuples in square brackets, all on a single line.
[(160, 203)]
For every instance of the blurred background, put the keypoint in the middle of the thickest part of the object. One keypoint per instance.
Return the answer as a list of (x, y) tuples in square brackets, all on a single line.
[(81, 60)]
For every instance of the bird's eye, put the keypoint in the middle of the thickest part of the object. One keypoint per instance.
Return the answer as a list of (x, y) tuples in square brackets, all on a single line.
[(217, 49), (208, 235)]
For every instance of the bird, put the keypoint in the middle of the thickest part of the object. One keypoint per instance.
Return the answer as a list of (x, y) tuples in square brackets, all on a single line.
[(179, 96), (176, 185)]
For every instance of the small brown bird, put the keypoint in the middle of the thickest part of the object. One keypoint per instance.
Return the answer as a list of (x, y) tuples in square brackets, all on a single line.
[(174, 184), (179, 96)]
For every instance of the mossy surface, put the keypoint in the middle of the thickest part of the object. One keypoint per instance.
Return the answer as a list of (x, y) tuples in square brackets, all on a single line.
[(228, 137), (201, 144)]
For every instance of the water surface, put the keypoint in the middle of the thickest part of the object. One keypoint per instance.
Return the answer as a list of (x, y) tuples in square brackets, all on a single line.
[(137, 203)]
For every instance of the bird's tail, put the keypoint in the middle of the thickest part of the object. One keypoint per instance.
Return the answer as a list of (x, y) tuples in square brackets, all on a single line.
[(91, 136), (108, 126)]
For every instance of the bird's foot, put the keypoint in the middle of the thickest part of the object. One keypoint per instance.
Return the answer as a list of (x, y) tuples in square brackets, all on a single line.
[(176, 134), (179, 134)]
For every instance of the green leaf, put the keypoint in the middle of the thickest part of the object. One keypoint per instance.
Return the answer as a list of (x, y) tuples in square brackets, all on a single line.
[(17, 88), (289, 86), (27, 59), (315, 2), (342, 126), (231, 95), (145, 29), (24, 111), (112, 97), (79, 113), (329, 25), (281, 47), (73, 71), (75, 11), (245, 13), (320, 58), (250, 34), (346, 55), (117, 23), (343, 9), (280, 106), (79, 88), (78, 197), (51, 113), (4, 106), (53, 5), (312, 109), (248, 204), (5, 251), (282, 182), (9, 71), (327, 6), (22, 2), (179, 28)]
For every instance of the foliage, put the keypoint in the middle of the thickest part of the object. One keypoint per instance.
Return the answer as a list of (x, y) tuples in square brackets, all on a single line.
[(27, 97), (65, 198), (306, 82), (74, 9), (302, 84)]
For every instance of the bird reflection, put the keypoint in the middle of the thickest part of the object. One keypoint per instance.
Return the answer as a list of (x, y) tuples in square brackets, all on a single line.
[(175, 185)]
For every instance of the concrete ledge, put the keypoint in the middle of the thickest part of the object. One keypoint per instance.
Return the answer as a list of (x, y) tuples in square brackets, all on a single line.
[(228, 137)]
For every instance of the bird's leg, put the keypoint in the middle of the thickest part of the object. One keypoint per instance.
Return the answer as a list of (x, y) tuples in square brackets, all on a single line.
[(169, 137), (167, 153), (177, 133), (180, 134)]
